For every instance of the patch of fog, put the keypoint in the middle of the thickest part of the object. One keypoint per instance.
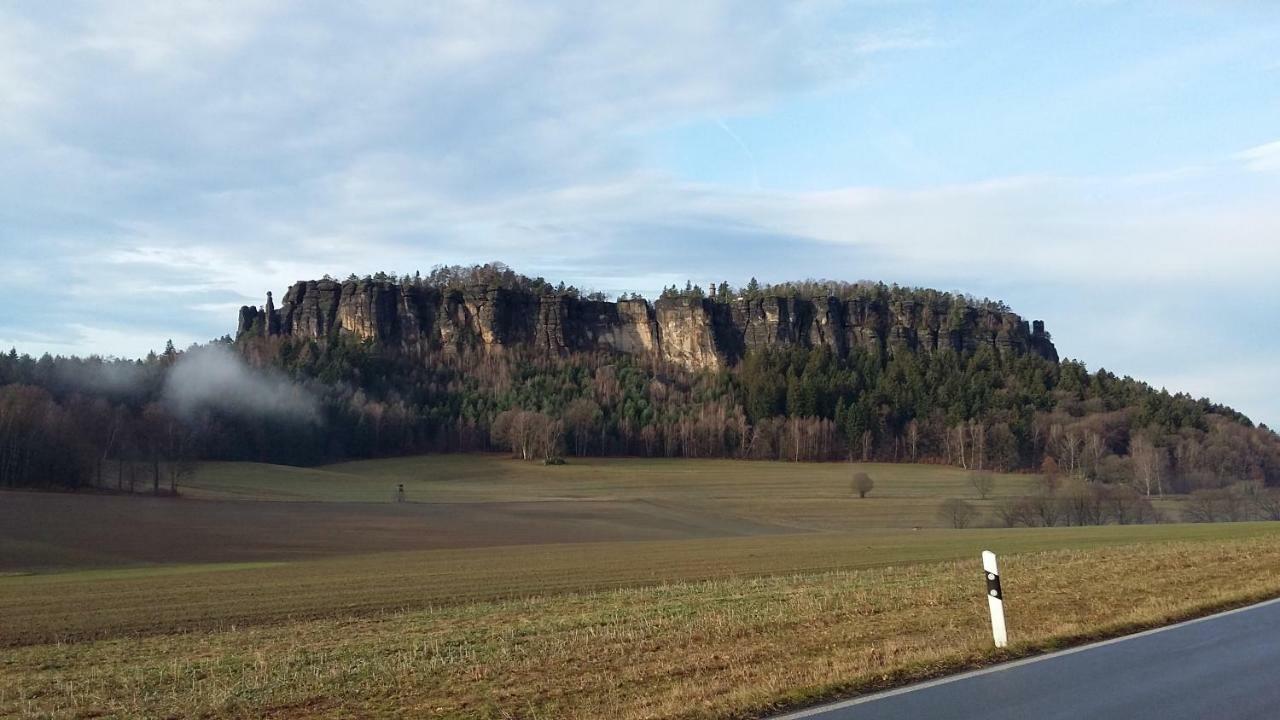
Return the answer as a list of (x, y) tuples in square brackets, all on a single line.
[(214, 377)]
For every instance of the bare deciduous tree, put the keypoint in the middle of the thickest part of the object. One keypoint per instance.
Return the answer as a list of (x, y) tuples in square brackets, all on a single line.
[(1149, 463), (1094, 450), (1013, 512), (528, 434), (977, 443), (1264, 500), (1049, 474), (1046, 508), (582, 417), (955, 439), (982, 483), (1213, 505), (957, 513)]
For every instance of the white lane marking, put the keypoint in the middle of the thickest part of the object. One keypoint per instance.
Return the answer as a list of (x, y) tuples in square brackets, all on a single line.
[(815, 711)]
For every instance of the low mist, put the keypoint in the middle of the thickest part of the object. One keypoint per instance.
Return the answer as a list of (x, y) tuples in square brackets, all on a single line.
[(216, 378)]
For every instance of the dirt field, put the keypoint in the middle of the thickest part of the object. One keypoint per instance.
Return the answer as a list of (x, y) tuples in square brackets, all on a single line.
[(43, 531), (246, 512)]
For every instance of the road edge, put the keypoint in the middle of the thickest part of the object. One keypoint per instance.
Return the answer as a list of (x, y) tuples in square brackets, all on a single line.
[(1018, 657)]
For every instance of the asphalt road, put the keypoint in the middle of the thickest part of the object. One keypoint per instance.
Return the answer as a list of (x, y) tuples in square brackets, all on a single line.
[(1222, 666)]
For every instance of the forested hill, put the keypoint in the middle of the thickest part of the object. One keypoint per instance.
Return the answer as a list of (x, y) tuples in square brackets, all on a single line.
[(482, 358)]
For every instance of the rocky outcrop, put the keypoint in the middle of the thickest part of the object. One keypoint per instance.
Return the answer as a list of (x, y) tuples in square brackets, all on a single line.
[(688, 334), (696, 333)]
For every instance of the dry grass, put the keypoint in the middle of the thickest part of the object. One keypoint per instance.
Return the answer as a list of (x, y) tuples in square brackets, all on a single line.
[(97, 604), (719, 648)]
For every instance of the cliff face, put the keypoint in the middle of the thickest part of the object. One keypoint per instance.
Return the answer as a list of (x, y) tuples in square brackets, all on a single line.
[(691, 332)]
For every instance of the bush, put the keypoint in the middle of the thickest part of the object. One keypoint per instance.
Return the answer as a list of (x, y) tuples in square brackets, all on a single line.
[(862, 484), (983, 483)]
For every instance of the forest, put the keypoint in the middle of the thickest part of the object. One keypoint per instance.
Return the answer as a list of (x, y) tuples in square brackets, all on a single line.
[(73, 423)]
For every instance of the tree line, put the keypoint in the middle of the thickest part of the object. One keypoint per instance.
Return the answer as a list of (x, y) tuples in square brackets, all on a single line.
[(70, 424)]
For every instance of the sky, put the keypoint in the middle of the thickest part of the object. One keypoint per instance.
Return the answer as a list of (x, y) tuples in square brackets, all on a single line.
[(1112, 168)]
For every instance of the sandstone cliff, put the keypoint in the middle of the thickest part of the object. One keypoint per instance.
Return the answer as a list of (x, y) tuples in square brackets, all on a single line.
[(693, 332)]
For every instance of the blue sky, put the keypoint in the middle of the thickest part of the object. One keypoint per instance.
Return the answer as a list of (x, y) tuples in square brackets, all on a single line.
[(1110, 167)]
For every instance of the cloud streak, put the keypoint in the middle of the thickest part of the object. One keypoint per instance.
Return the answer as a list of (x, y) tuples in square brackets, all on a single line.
[(1263, 158)]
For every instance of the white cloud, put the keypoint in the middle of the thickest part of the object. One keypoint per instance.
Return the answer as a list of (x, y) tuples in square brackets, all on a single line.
[(18, 69), (170, 38), (902, 39), (1263, 158)]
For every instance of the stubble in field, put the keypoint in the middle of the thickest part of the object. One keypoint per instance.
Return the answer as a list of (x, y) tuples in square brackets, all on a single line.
[(721, 648)]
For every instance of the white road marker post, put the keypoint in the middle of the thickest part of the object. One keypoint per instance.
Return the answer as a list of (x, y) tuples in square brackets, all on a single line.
[(995, 598)]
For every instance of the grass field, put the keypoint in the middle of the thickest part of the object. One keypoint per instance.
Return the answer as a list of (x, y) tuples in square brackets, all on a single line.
[(806, 496), (714, 648), (798, 494), (621, 588)]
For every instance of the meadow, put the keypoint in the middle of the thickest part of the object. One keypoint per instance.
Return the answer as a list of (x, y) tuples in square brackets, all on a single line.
[(628, 588)]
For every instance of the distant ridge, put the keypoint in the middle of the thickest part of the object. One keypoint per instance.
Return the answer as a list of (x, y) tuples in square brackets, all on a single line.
[(691, 329)]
